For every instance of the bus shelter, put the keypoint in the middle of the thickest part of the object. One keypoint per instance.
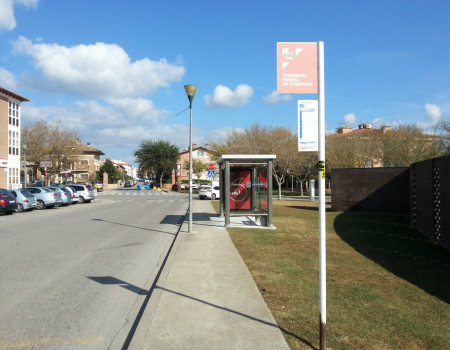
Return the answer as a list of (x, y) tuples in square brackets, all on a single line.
[(246, 187)]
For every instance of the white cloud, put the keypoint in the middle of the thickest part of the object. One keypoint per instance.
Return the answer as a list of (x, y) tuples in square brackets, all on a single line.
[(275, 98), (7, 19), (116, 127), (350, 119), (96, 71), (433, 113), (136, 109), (8, 79), (225, 97)]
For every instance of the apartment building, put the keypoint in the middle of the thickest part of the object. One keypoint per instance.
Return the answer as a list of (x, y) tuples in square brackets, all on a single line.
[(126, 168), (83, 166), (203, 154), (10, 145)]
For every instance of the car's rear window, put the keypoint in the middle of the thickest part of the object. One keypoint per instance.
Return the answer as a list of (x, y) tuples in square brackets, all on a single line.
[(26, 193), (5, 193)]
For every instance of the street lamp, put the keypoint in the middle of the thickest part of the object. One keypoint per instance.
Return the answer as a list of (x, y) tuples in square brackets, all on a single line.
[(24, 149), (190, 92)]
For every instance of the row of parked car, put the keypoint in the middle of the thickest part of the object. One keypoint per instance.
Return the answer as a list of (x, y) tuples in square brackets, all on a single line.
[(29, 198)]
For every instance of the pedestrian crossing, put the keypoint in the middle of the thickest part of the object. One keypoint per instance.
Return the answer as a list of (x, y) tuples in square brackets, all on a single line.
[(149, 201), (148, 197), (132, 193)]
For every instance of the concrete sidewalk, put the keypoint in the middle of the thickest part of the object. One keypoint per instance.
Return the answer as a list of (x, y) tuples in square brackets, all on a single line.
[(205, 297)]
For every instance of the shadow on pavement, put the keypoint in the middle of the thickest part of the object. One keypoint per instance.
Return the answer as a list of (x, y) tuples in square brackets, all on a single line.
[(140, 228), (109, 280)]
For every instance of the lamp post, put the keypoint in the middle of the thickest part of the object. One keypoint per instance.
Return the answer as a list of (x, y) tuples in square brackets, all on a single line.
[(190, 92), (25, 174)]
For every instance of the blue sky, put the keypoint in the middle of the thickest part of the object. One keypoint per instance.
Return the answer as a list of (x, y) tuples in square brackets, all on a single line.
[(114, 70)]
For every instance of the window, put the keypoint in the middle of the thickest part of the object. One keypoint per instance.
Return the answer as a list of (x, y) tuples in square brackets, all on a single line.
[(13, 176), (13, 113), (13, 143), (200, 153), (84, 162)]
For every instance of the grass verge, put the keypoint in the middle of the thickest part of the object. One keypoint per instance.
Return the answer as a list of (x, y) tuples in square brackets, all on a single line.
[(388, 287)]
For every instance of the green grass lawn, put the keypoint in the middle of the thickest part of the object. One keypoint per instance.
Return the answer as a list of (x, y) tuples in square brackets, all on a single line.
[(388, 287)]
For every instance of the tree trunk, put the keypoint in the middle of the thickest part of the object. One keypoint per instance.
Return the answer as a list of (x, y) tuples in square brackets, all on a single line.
[(160, 180)]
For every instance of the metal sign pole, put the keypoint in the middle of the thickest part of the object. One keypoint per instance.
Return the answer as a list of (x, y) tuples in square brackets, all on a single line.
[(322, 221), (300, 69)]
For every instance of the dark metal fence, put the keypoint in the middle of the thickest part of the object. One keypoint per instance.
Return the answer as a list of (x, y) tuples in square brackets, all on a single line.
[(421, 192), (430, 198)]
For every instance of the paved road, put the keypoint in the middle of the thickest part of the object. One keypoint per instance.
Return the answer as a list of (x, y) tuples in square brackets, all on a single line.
[(75, 277)]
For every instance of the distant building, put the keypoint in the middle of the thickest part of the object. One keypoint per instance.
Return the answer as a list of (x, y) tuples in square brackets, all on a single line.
[(82, 165), (126, 168), (202, 153), (10, 144), (363, 128)]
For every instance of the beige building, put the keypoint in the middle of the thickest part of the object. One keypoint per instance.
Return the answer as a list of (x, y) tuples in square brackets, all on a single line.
[(10, 145), (201, 153), (82, 167)]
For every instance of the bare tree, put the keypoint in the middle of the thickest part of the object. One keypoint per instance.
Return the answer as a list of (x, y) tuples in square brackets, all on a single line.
[(49, 141), (408, 144), (444, 128), (264, 140), (354, 150), (198, 167)]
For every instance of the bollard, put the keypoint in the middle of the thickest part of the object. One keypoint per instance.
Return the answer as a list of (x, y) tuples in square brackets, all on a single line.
[(311, 190)]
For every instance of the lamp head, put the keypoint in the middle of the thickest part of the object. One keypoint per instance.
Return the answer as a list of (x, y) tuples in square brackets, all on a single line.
[(190, 92)]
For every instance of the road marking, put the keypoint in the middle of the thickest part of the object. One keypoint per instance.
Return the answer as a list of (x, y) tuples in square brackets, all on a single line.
[(137, 193), (26, 343)]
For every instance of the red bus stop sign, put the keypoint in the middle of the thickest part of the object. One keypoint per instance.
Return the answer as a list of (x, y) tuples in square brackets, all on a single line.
[(211, 166)]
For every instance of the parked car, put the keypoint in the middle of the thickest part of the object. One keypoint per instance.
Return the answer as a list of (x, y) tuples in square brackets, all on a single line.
[(8, 202), (128, 184), (183, 186), (98, 185), (38, 184), (85, 193), (194, 186), (66, 196), (25, 200), (45, 198), (73, 193), (205, 192)]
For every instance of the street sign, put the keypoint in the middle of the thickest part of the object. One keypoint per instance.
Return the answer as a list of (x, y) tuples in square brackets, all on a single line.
[(211, 173), (297, 68), (308, 124), (211, 166), (3, 163), (45, 164)]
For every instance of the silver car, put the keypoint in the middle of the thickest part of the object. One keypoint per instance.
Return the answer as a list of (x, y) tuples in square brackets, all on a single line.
[(45, 198), (66, 196), (85, 192), (73, 193), (25, 200)]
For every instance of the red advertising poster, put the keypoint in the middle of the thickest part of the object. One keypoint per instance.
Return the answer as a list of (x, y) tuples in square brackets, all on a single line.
[(263, 190), (240, 189)]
